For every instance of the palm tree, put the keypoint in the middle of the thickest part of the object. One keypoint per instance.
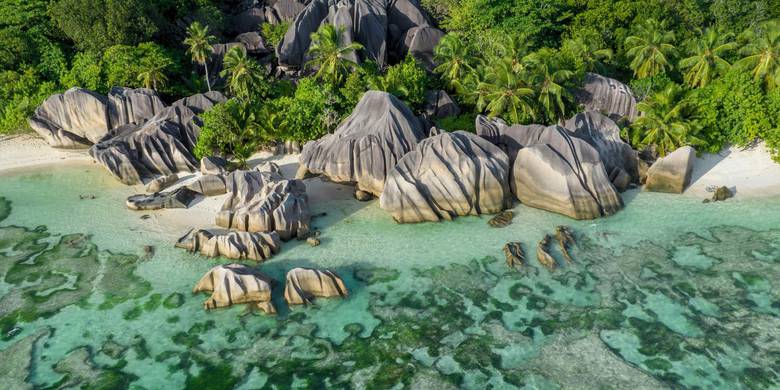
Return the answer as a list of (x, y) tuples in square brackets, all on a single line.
[(666, 121), (591, 57), (153, 73), (650, 49), (454, 59), (706, 61), (474, 87), (548, 76), (762, 53), (199, 42), (242, 72), (330, 55), (508, 93)]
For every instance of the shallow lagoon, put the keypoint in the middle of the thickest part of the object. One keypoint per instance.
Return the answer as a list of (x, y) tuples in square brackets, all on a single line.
[(670, 292)]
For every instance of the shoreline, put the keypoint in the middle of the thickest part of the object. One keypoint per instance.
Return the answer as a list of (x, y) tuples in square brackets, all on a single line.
[(750, 173)]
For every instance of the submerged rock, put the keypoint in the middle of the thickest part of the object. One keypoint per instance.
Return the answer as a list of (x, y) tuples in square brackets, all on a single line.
[(304, 284), (607, 95), (543, 254), (620, 160), (76, 118), (232, 284), (264, 202), (231, 244), (559, 173), (502, 219), (367, 145), (565, 238), (162, 182), (672, 173), (515, 256), (177, 199), (448, 175)]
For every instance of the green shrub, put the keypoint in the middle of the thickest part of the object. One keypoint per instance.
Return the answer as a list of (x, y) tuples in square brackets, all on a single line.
[(20, 94), (273, 33), (228, 130), (312, 112), (407, 80)]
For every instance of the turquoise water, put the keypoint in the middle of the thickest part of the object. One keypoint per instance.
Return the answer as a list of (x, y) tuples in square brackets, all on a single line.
[(669, 293)]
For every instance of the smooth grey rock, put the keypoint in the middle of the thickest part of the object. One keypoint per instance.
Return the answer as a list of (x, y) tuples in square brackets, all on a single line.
[(367, 145), (201, 102), (209, 185), (491, 129), (248, 20), (161, 146), (231, 284), (161, 182), (264, 202), (420, 42), (77, 118), (128, 106), (672, 173), (556, 172), (302, 285), (231, 244), (438, 104), (291, 51), (254, 42), (603, 134), (287, 10), (406, 14), (213, 165), (448, 175), (608, 96), (177, 199)]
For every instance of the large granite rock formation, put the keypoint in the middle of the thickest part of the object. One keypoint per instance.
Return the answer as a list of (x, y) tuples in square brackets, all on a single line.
[(448, 175), (231, 244), (209, 185), (161, 146), (128, 106), (376, 24), (607, 95), (304, 284), (420, 41), (557, 172), (232, 284), (263, 202), (201, 102), (671, 173), (619, 159), (367, 145), (74, 119)]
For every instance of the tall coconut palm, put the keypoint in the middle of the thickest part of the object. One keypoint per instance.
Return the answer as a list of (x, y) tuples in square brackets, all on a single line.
[(590, 55), (242, 73), (508, 93), (549, 76), (454, 58), (762, 53), (199, 46), (666, 121), (706, 61), (153, 74), (330, 55), (650, 49)]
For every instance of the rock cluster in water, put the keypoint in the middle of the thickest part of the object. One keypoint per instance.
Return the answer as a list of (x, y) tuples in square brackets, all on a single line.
[(232, 284), (231, 244), (302, 285)]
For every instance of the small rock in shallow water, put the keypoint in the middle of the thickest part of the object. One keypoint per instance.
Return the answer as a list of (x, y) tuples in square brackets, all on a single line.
[(502, 219), (544, 256), (148, 251), (565, 238), (722, 193), (82, 197), (313, 241), (363, 196), (515, 257), (145, 216), (303, 284), (231, 284)]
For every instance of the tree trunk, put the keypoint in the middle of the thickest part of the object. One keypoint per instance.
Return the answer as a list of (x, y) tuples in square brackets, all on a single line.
[(208, 83)]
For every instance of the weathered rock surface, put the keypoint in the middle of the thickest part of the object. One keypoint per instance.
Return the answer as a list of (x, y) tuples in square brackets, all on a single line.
[(128, 106), (565, 237), (232, 284), (213, 165), (502, 219), (420, 41), (209, 185), (438, 104), (254, 43), (603, 134), (515, 256), (231, 244), (264, 202), (74, 119), (672, 173), (304, 284), (177, 199), (201, 102), (161, 182), (559, 173), (607, 95), (376, 24), (367, 145), (543, 254), (161, 146), (448, 175)]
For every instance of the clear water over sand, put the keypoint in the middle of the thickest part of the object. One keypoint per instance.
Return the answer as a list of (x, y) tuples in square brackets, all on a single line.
[(670, 292)]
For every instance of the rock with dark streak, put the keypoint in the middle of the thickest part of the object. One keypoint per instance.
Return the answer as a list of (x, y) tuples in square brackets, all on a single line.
[(161, 182), (543, 254), (304, 284), (565, 238), (515, 256), (231, 244), (232, 284), (502, 219), (209, 185), (177, 199), (76, 118), (607, 95), (128, 106)]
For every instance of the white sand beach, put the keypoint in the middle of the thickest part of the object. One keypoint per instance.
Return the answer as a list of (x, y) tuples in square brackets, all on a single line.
[(749, 173)]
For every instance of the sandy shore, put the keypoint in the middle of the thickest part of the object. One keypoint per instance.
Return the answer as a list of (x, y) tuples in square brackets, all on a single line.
[(750, 173), (27, 151)]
